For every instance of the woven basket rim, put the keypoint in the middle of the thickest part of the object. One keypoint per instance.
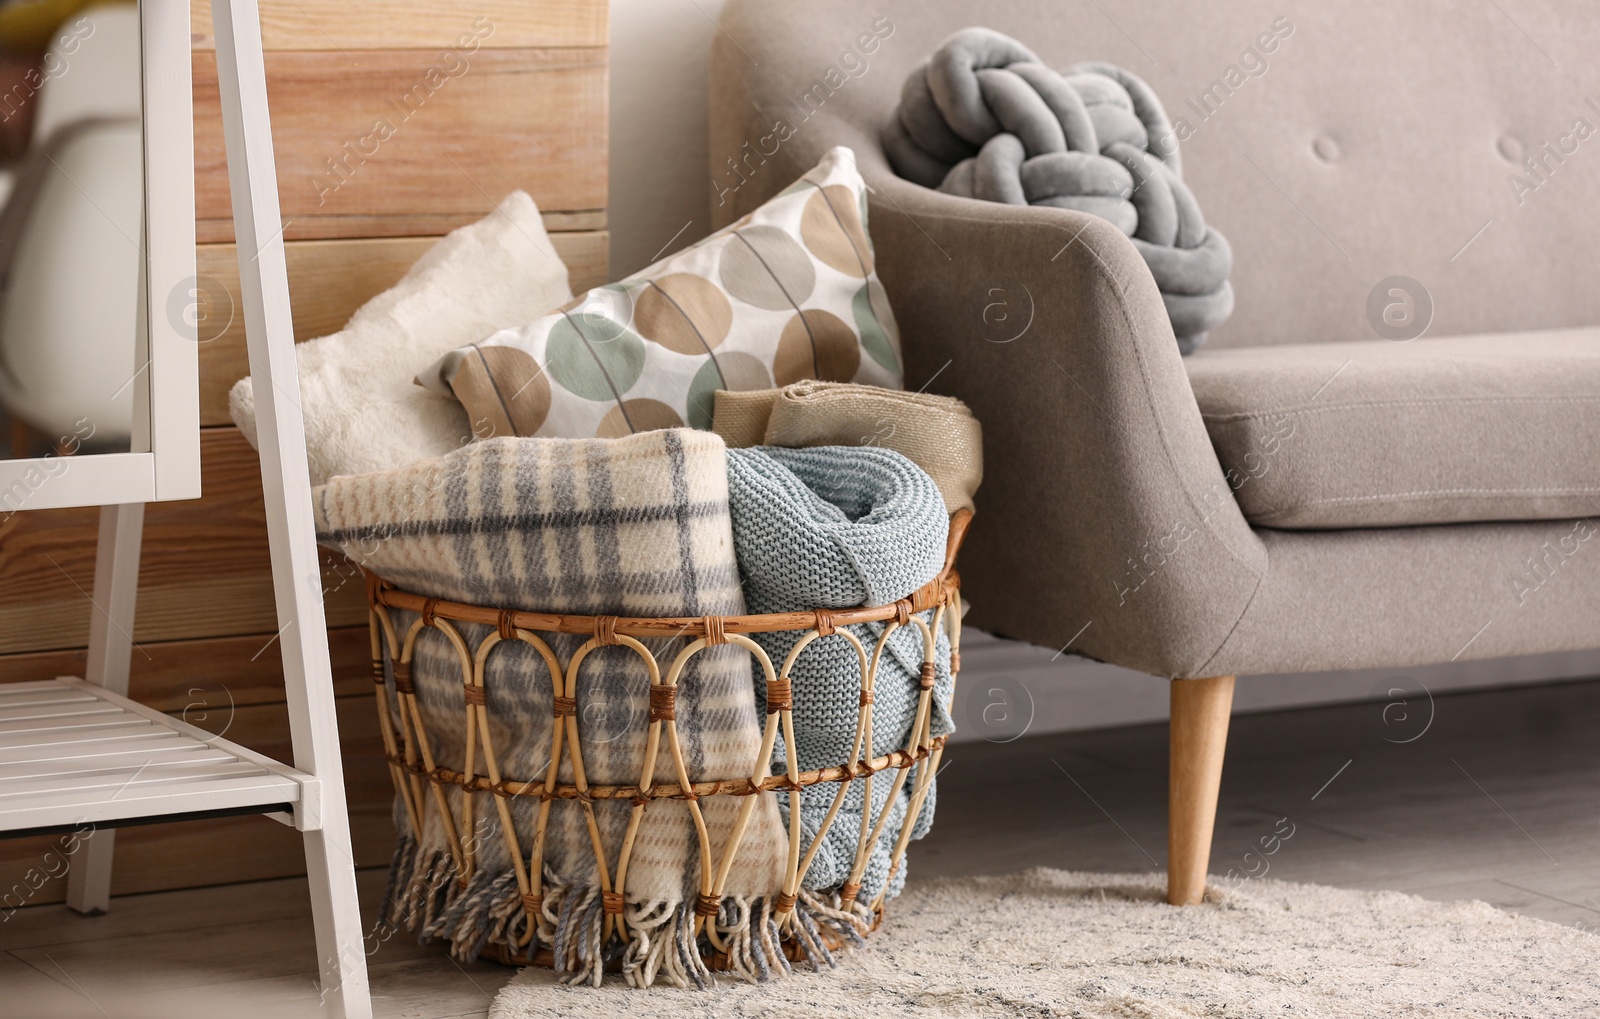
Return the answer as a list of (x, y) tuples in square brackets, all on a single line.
[(937, 591)]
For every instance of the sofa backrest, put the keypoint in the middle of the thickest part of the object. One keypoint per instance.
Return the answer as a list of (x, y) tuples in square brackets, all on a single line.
[(1335, 145)]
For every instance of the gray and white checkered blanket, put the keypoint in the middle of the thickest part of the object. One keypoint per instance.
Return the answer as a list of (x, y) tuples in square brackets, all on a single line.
[(635, 526)]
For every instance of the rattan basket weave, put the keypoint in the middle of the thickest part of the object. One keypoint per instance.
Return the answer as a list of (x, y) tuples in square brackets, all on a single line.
[(420, 780)]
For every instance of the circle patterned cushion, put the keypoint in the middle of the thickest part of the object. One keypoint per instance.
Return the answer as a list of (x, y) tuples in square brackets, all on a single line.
[(789, 292)]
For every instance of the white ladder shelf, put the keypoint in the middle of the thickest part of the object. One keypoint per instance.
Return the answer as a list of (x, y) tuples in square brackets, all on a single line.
[(76, 752)]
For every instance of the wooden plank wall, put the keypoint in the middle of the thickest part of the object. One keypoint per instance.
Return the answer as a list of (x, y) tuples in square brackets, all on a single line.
[(394, 121)]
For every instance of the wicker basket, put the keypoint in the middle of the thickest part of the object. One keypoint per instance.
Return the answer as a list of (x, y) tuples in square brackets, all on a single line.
[(420, 780)]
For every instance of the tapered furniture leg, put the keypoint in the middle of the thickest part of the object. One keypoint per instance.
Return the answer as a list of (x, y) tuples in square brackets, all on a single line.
[(1200, 709)]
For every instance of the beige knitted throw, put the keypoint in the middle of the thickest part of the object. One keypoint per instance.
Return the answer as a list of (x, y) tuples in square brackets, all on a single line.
[(937, 433)]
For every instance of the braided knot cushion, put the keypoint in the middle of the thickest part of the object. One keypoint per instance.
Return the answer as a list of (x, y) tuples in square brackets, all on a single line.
[(983, 118)]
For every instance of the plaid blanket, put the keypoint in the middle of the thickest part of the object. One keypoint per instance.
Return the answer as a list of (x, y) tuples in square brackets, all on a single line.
[(632, 526)]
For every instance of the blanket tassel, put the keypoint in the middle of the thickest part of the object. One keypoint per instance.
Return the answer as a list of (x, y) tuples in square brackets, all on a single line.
[(662, 947)]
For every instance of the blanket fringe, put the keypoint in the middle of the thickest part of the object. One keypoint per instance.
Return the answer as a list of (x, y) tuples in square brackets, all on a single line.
[(425, 895), (849, 926)]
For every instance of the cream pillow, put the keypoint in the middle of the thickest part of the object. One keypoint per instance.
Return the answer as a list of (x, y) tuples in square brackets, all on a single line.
[(789, 292), (362, 410)]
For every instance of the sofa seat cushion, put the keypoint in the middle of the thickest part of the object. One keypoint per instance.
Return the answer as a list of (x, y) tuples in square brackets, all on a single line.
[(1381, 434)]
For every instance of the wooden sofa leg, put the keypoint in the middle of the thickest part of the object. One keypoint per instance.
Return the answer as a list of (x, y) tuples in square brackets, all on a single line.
[(1200, 709)]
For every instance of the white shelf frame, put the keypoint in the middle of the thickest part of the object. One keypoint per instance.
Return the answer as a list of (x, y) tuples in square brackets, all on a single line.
[(286, 484), (78, 751)]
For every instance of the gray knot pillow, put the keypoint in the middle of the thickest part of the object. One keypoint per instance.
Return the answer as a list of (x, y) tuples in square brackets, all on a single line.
[(984, 118)]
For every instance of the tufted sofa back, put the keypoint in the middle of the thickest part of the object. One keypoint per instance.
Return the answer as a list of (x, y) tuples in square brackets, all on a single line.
[(1336, 146)]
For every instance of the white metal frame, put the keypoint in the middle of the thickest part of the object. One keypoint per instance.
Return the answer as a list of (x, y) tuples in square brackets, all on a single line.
[(76, 752), (165, 463)]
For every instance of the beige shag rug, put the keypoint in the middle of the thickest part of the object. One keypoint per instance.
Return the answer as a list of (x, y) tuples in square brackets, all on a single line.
[(1049, 943)]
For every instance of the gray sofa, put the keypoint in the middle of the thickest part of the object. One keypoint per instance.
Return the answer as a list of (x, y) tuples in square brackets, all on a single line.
[(1301, 494)]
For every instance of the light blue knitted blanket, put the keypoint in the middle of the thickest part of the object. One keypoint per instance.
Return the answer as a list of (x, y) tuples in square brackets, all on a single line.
[(839, 527)]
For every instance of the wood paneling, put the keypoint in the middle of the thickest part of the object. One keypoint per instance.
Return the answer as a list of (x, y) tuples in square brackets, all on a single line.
[(416, 24), (394, 146), (204, 573), (198, 676), (328, 281)]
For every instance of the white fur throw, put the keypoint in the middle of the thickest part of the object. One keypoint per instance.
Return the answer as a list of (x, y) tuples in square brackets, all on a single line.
[(362, 411)]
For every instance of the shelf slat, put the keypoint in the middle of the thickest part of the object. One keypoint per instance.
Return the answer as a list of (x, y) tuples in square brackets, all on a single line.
[(72, 753)]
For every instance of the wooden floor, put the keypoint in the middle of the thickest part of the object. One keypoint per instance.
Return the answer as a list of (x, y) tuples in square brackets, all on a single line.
[(1493, 796)]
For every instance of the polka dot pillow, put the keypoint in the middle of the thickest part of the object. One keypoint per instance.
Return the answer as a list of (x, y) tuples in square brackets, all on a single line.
[(789, 292)]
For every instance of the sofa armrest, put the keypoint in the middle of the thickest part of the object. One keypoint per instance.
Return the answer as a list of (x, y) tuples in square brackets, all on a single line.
[(1104, 518)]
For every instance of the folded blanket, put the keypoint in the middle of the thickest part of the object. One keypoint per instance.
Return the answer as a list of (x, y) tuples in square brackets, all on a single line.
[(937, 433), (633, 526), (838, 527)]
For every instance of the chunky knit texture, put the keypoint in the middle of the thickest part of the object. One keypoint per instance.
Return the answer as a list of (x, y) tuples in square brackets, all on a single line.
[(838, 527), (984, 118)]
